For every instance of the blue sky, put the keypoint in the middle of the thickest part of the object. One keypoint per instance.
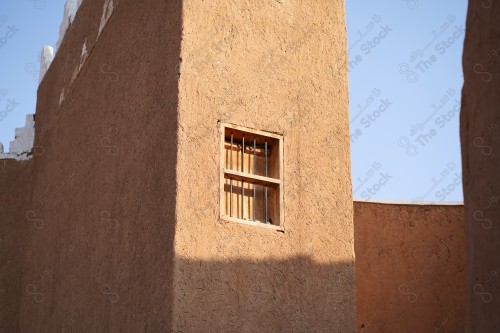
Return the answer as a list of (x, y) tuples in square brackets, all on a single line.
[(36, 23), (405, 71), (405, 80)]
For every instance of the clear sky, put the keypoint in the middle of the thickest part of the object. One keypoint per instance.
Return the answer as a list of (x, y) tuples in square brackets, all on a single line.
[(405, 77), (33, 24), (405, 80)]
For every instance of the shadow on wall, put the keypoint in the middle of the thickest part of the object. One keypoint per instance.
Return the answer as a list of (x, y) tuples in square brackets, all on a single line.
[(104, 181), (14, 188), (480, 139), (410, 267), (234, 296), (103, 193), (294, 295)]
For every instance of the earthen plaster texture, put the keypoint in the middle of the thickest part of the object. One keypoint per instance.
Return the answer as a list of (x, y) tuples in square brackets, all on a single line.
[(15, 181), (124, 231), (104, 181), (277, 66), (480, 138), (119, 162), (410, 268)]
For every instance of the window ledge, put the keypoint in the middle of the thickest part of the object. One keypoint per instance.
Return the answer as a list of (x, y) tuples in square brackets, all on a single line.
[(252, 223)]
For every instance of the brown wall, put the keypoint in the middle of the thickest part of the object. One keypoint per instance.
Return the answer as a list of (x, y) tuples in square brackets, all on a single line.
[(480, 137), (104, 178), (14, 194), (126, 174), (410, 268), (277, 66)]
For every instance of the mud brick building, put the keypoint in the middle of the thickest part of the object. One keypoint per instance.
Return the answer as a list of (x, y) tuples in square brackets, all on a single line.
[(189, 171)]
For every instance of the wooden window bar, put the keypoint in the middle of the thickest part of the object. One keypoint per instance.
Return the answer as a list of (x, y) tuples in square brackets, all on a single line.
[(251, 175)]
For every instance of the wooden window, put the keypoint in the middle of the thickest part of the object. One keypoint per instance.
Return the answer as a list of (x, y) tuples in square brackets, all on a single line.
[(251, 176)]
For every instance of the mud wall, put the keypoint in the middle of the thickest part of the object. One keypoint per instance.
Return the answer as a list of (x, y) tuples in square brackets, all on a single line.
[(480, 138), (277, 66), (410, 268), (104, 174), (15, 177)]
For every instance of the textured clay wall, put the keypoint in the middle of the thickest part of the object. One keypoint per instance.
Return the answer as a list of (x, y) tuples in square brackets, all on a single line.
[(277, 66), (410, 268), (104, 174), (480, 137), (15, 179)]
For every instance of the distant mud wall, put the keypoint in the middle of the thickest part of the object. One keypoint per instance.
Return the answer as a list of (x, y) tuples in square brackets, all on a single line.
[(15, 181), (480, 138), (410, 268)]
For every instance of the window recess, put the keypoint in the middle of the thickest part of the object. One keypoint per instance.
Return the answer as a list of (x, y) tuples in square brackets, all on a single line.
[(251, 176)]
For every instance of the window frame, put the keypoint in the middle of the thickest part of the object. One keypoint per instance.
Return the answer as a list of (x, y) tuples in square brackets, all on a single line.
[(278, 182)]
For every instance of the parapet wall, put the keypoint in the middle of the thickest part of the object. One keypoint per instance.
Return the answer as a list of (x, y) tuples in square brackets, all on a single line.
[(21, 148), (410, 267)]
